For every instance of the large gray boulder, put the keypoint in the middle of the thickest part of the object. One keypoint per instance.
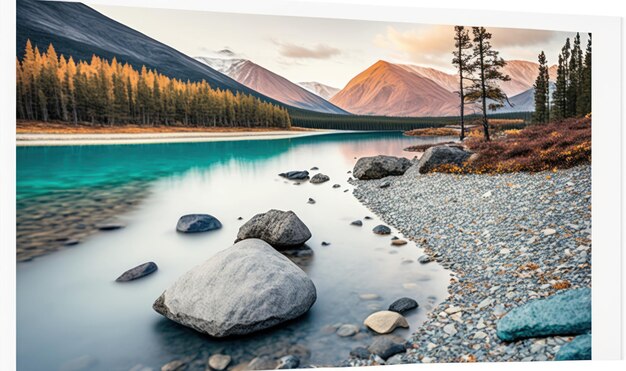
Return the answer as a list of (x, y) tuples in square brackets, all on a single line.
[(246, 288), (441, 155), (566, 313), (380, 166), (281, 229)]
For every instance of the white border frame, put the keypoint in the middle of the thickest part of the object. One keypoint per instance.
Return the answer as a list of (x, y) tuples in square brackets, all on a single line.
[(607, 111)]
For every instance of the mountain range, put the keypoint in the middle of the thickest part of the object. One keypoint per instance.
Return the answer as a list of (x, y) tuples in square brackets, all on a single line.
[(382, 89), (269, 83), (409, 90)]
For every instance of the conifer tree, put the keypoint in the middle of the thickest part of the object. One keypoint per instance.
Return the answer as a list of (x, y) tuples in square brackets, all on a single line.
[(485, 89), (584, 101), (542, 90), (575, 65), (462, 61)]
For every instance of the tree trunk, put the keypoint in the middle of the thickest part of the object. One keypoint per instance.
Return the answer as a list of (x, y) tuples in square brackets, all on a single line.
[(484, 91)]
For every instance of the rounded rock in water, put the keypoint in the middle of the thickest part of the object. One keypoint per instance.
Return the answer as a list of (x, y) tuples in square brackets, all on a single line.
[(246, 288)]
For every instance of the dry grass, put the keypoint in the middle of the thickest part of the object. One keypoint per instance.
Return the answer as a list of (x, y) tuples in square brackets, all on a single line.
[(428, 132), (40, 127), (558, 145), (424, 147)]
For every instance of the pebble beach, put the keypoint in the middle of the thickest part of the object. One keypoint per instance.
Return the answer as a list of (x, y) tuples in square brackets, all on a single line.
[(508, 239)]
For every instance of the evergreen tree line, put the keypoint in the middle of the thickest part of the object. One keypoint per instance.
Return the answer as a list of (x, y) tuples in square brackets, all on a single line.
[(479, 67), (572, 94), (52, 87)]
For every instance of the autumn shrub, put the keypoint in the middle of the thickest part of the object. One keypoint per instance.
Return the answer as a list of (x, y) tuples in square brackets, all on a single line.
[(539, 147), (432, 132)]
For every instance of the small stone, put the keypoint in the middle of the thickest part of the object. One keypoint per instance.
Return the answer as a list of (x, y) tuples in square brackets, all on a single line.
[(138, 272), (319, 178), (288, 362), (219, 362), (452, 310), (324, 243), (196, 223), (384, 322), (450, 329), (424, 259), (485, 303), (311, 201), (240, 218), (456, 316), (109, 226), (385, 184), (481, 324), (368, 218), (336, 185), (398, 242), (479, 335), (262, 363), (347, 330), (431, 346), (486, 194), (381, 229), (548, 231), (387, 346), (176, 365), (360, 353), (403, 305), (358, 223), (395, 360), (314, 168)]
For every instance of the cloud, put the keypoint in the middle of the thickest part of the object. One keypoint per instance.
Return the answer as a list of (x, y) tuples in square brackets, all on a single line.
[(319, 51), (432, 45)]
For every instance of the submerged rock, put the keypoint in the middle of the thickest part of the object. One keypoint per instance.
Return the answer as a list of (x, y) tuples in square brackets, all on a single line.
[(566, 313), (138, 272), (381, 229), (319, 178), (262, 363), (281, 229), (219, 362), (175, 365), (196, 223), (577, 349), (398, 242), (110, 226), (347, 330), (403, 305), (295, 175), (441, 155), (246, 288), (424, 259), (387, 346), (358, 223), (380, 166), (385, 321), (360, 353), (288, 362)]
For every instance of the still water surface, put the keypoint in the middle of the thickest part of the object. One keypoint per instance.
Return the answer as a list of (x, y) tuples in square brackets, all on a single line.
[(69, 306)]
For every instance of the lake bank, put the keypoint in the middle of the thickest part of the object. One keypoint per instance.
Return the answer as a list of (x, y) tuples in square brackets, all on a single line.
[(23, 139), (509, 238)]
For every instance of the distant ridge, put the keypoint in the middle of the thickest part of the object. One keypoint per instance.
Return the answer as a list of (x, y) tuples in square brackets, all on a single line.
[(270, 84)]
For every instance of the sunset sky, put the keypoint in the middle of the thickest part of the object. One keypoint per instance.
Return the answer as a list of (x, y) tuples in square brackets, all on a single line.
[(330, 51)]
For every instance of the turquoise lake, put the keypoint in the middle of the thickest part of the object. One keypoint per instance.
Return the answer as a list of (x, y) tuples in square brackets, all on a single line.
[(69, 305)]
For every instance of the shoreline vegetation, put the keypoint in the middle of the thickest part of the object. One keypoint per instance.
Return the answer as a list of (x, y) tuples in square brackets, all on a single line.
[(538, 147)]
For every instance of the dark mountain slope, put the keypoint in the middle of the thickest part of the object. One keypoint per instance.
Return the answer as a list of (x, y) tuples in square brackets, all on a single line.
[(77, 30)]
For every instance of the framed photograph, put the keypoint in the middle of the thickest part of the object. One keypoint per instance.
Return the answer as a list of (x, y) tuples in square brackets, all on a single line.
[(256, 186)]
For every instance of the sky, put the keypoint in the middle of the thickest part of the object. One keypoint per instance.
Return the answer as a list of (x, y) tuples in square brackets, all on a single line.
[(330, 51)]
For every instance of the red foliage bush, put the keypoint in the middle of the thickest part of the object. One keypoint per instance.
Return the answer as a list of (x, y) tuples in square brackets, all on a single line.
[(539, 147)]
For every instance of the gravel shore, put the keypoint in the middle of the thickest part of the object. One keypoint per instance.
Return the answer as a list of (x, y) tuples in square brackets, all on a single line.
[(508, 238)]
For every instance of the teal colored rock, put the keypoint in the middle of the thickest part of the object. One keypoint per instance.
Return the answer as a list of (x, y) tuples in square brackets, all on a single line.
[(577, 349), (567, 313)]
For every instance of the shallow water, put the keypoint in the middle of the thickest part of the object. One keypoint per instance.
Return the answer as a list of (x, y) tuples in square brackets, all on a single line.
[(69, 306)]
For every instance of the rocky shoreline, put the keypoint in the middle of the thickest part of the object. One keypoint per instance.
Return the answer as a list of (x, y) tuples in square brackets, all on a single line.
[(509, 239)]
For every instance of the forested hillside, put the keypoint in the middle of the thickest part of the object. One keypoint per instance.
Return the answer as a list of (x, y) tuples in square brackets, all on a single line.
[(53, 87)]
